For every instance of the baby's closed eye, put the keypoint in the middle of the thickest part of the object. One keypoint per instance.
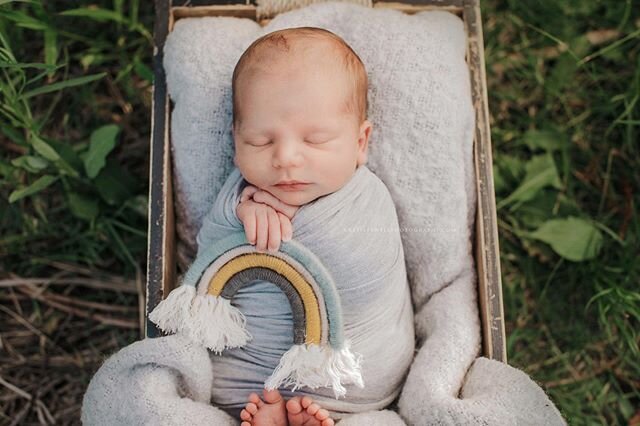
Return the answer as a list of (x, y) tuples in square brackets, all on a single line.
[(259, 143), (316, 142)]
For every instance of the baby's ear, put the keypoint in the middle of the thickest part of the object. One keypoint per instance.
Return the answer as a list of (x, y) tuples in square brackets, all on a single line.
[(363, 141)]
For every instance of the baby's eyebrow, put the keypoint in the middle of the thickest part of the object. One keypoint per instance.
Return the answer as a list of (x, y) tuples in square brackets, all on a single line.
[(311, 129), (319, 128), (248, 131)]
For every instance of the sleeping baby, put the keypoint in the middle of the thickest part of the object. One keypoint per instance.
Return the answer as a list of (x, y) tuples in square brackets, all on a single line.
[(300, 182)]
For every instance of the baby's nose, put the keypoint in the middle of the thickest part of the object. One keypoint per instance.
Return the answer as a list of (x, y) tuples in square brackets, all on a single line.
[(287, 154)]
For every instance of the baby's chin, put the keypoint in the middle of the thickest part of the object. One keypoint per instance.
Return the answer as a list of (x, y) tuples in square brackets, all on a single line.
[(297, 198)]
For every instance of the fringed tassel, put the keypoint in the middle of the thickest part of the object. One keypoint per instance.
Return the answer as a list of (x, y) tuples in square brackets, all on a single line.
[(173, 312), (216, 324), (315, 366), (208, 320)]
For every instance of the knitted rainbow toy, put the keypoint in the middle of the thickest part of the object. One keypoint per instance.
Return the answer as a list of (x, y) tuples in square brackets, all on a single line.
[(201, 309)]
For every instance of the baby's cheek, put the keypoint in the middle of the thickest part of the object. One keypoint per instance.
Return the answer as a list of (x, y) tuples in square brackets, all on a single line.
[(252, 177)]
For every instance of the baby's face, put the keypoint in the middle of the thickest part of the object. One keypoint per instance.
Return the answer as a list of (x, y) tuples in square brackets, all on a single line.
[(294, 127)]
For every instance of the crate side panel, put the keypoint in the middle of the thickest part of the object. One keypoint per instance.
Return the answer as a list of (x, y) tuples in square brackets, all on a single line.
[(487, 250)]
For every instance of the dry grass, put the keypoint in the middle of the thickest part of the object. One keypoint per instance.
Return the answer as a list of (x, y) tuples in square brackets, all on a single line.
[(55, 332)]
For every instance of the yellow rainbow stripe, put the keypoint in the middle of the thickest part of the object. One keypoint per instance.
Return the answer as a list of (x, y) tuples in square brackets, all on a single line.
[(304, 289)]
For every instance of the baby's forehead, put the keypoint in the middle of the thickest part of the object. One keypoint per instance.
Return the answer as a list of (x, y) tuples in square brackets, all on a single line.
[(302, 56), (298, 52)]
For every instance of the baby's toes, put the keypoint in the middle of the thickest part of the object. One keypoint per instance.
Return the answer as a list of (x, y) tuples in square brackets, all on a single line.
[(306, 401), (293, 405), (245, 424), (244, 415), (255, 399), (322, 414), (251, 408), (327, 422), (313, 409)]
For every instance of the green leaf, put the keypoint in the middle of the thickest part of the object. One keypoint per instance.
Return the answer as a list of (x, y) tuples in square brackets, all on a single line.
[(95, 13), (83, 207), (572, 238), (63, 85), (563, 73), (44, 148), (118, 7), (92, 58), (35, 65), (50, 49), (514, 166), (499, 182), (114, 184), (55, 152), (30, 163), (37, 186), (102, 142), (5, 169), (69, 156), (12, 134), (134, 7), (15, 1), (143, 71), (540, 172), (547, 140), (547, 203), (24, 20)]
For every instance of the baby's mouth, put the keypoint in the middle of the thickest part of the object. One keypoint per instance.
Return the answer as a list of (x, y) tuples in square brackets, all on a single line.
[(292, 186)]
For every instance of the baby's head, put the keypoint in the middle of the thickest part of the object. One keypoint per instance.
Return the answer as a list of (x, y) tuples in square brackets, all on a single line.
[(299, 113)]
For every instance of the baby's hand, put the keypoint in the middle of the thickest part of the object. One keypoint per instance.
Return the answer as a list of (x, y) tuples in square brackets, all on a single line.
[(264, 197), (247, 193), (263, 225)]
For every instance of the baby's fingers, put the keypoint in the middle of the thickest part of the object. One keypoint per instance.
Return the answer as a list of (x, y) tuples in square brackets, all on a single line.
[(274, 230), (286, 230), (247, 193), (269, 199), (250, 226), (262, 229)]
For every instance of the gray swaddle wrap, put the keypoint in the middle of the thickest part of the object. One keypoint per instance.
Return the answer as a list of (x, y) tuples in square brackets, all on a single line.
[(355, 233)]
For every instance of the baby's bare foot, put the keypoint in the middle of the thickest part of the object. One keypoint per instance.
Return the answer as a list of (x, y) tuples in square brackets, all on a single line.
[(304, 412), (270, 412)]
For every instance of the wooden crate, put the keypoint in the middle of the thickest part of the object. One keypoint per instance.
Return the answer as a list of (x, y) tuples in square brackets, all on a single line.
[(161, 275)]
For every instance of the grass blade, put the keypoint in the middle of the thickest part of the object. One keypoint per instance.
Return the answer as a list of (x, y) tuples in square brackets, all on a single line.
[(63, 85)]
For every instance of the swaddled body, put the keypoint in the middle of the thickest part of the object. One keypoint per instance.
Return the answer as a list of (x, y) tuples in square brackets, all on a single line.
[(301, 137), (354, 232)]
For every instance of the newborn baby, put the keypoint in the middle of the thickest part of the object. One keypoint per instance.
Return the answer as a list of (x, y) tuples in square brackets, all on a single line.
[(301, 134)]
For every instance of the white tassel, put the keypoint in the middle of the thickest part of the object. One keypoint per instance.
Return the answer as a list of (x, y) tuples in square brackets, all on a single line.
[(216, 324), (173, 312), (208, 320), (315, 366)]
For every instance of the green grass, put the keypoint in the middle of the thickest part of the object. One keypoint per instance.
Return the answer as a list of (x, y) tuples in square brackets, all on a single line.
[(564, 91), (74, 117), (564, 94)]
